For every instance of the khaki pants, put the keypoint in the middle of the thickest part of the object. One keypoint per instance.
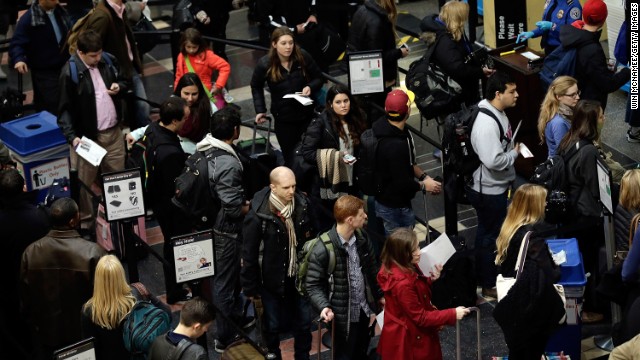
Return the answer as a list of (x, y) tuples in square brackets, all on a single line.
[(113, 142)]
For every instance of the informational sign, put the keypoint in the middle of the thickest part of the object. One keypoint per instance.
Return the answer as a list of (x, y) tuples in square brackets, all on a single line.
[(42, 176), (604, 185), (365, 72), (511, 19), (123, 198), (193, 256), (83, 350)]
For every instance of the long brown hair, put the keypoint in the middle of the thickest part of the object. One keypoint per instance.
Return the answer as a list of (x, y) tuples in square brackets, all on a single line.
[(398, 249), (390, 8), (273, 73), (584, 125), (354, 119), (193, 36)]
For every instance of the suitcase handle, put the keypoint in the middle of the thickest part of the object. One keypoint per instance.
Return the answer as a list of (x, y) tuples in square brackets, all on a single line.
[(458, 350), (255, 131), (319, 320)]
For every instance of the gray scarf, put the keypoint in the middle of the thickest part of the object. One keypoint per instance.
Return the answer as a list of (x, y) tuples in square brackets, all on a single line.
[(566, 111)]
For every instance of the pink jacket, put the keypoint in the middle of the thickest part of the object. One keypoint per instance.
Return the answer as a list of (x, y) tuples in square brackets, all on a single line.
[(411, 322), (204, 64)]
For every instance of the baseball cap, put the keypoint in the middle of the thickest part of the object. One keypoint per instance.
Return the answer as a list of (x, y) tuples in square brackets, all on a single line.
[(594, 12), (397, 103)]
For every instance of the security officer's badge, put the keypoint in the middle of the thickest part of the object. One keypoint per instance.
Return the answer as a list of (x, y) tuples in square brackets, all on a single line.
[(575, 13), (560, 14)]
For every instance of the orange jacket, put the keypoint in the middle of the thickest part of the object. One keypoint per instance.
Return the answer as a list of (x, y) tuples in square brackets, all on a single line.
[(204, 64)]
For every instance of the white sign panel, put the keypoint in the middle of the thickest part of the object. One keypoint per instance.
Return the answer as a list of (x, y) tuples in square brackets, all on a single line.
[(365, 73), (193, 256), (42, 176), (84, 350), (604, 185), (123, 197)]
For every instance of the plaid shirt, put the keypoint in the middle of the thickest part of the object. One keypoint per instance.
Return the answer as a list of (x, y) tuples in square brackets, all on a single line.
[(357, 296)]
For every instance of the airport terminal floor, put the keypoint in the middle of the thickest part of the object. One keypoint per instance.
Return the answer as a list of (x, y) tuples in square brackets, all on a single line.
[(158, 82)]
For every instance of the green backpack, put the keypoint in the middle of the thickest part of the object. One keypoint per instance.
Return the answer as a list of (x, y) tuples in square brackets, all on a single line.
[(303, 260)]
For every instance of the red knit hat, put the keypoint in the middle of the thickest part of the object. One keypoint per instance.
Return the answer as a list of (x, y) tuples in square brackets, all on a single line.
[(594, 12)]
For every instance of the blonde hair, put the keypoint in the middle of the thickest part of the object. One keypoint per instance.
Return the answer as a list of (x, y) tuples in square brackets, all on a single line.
[(630, 190), (527, 207), (112, 299), (550, 104), (455, 14)]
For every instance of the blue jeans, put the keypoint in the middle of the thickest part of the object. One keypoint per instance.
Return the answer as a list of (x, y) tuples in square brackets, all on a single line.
[(277, 311), (225, 283), (139, 109), (491, 211), (393, 218)]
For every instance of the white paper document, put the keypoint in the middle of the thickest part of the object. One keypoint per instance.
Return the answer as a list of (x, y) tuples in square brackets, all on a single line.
[(515, 133), (304, 100), (380, 319), (438, 252), (529, 55), (524, 150), (90, 151)]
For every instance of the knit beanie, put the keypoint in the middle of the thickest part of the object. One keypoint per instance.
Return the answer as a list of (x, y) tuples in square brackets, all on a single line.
[(594, 12)]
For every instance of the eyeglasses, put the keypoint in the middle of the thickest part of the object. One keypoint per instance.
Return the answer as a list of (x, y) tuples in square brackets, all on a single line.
[(573, 95)]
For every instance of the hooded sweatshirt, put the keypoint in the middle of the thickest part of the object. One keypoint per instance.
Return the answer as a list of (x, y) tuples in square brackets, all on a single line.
[(594, 78)]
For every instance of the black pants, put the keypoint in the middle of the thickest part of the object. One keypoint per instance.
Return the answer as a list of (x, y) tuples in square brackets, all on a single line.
[(46, 89), (172, 223), (216, 28), (356, 344), (288, 135), (590, 239)]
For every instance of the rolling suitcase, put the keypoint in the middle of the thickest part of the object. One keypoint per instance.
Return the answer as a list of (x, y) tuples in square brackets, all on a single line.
[(333, 331), (245, 348), (458, 347)]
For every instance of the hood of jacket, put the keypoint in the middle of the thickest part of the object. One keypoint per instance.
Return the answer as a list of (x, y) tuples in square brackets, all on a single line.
[(382, 128), (387, 279), (575, 37), (210, 142), (373, 6), (431, 26)]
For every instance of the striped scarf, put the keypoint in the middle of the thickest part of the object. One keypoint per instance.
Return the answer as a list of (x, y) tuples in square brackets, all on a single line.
[(285, 211)]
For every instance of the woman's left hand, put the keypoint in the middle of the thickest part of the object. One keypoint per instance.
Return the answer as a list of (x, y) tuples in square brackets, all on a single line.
[(435, 274), (306, 91)]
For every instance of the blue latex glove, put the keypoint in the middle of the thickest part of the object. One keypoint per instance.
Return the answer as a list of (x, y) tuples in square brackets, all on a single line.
[(544, 25), (524, 36)]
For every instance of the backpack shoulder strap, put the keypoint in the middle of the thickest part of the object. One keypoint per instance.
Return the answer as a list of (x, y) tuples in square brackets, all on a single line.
[(493, 116), (178, 351), (73, 69), (326, 240)]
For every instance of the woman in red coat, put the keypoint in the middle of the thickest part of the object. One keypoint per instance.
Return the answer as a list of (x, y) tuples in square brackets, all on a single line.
[(411, 322)]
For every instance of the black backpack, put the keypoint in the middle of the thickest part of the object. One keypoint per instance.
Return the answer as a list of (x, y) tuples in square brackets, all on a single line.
[(459, 155), (365, 173), (561, 61), (436, 92), (552, 174), (142, 155), (193, 194)]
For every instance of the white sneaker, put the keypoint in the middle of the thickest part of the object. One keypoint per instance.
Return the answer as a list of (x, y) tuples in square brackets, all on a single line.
[(227, 97)]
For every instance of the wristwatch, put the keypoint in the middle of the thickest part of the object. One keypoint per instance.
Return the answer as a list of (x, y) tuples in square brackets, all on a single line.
[(423, 176)]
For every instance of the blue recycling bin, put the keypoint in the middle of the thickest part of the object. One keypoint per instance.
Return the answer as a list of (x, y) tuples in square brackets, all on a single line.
[(39, 148), (569, 337)]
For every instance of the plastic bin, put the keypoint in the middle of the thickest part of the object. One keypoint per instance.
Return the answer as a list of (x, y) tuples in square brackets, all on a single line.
[(40, 149), (574, 280)]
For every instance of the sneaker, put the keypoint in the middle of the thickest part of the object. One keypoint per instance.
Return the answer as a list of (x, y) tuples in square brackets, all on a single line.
[(633, 138), (490, 293), (219, 346), (227, 97)]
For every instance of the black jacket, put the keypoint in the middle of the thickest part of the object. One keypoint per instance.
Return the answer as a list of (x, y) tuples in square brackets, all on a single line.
[(371, 30), (594, 78), (317, 281), (284, 12), (78, 115), (321, 134), (168, 164), (533, 294), (394, 165), (262, 227), (582, 176), (622, 222), (285, 110), (450, 56)]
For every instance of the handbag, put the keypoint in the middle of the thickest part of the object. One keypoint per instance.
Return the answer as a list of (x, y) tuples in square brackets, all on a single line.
[(302, 169), (504, 284), (182, 16), (146, 41)]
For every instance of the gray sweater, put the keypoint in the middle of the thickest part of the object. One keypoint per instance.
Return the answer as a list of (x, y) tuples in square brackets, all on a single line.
[(496, 171)]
